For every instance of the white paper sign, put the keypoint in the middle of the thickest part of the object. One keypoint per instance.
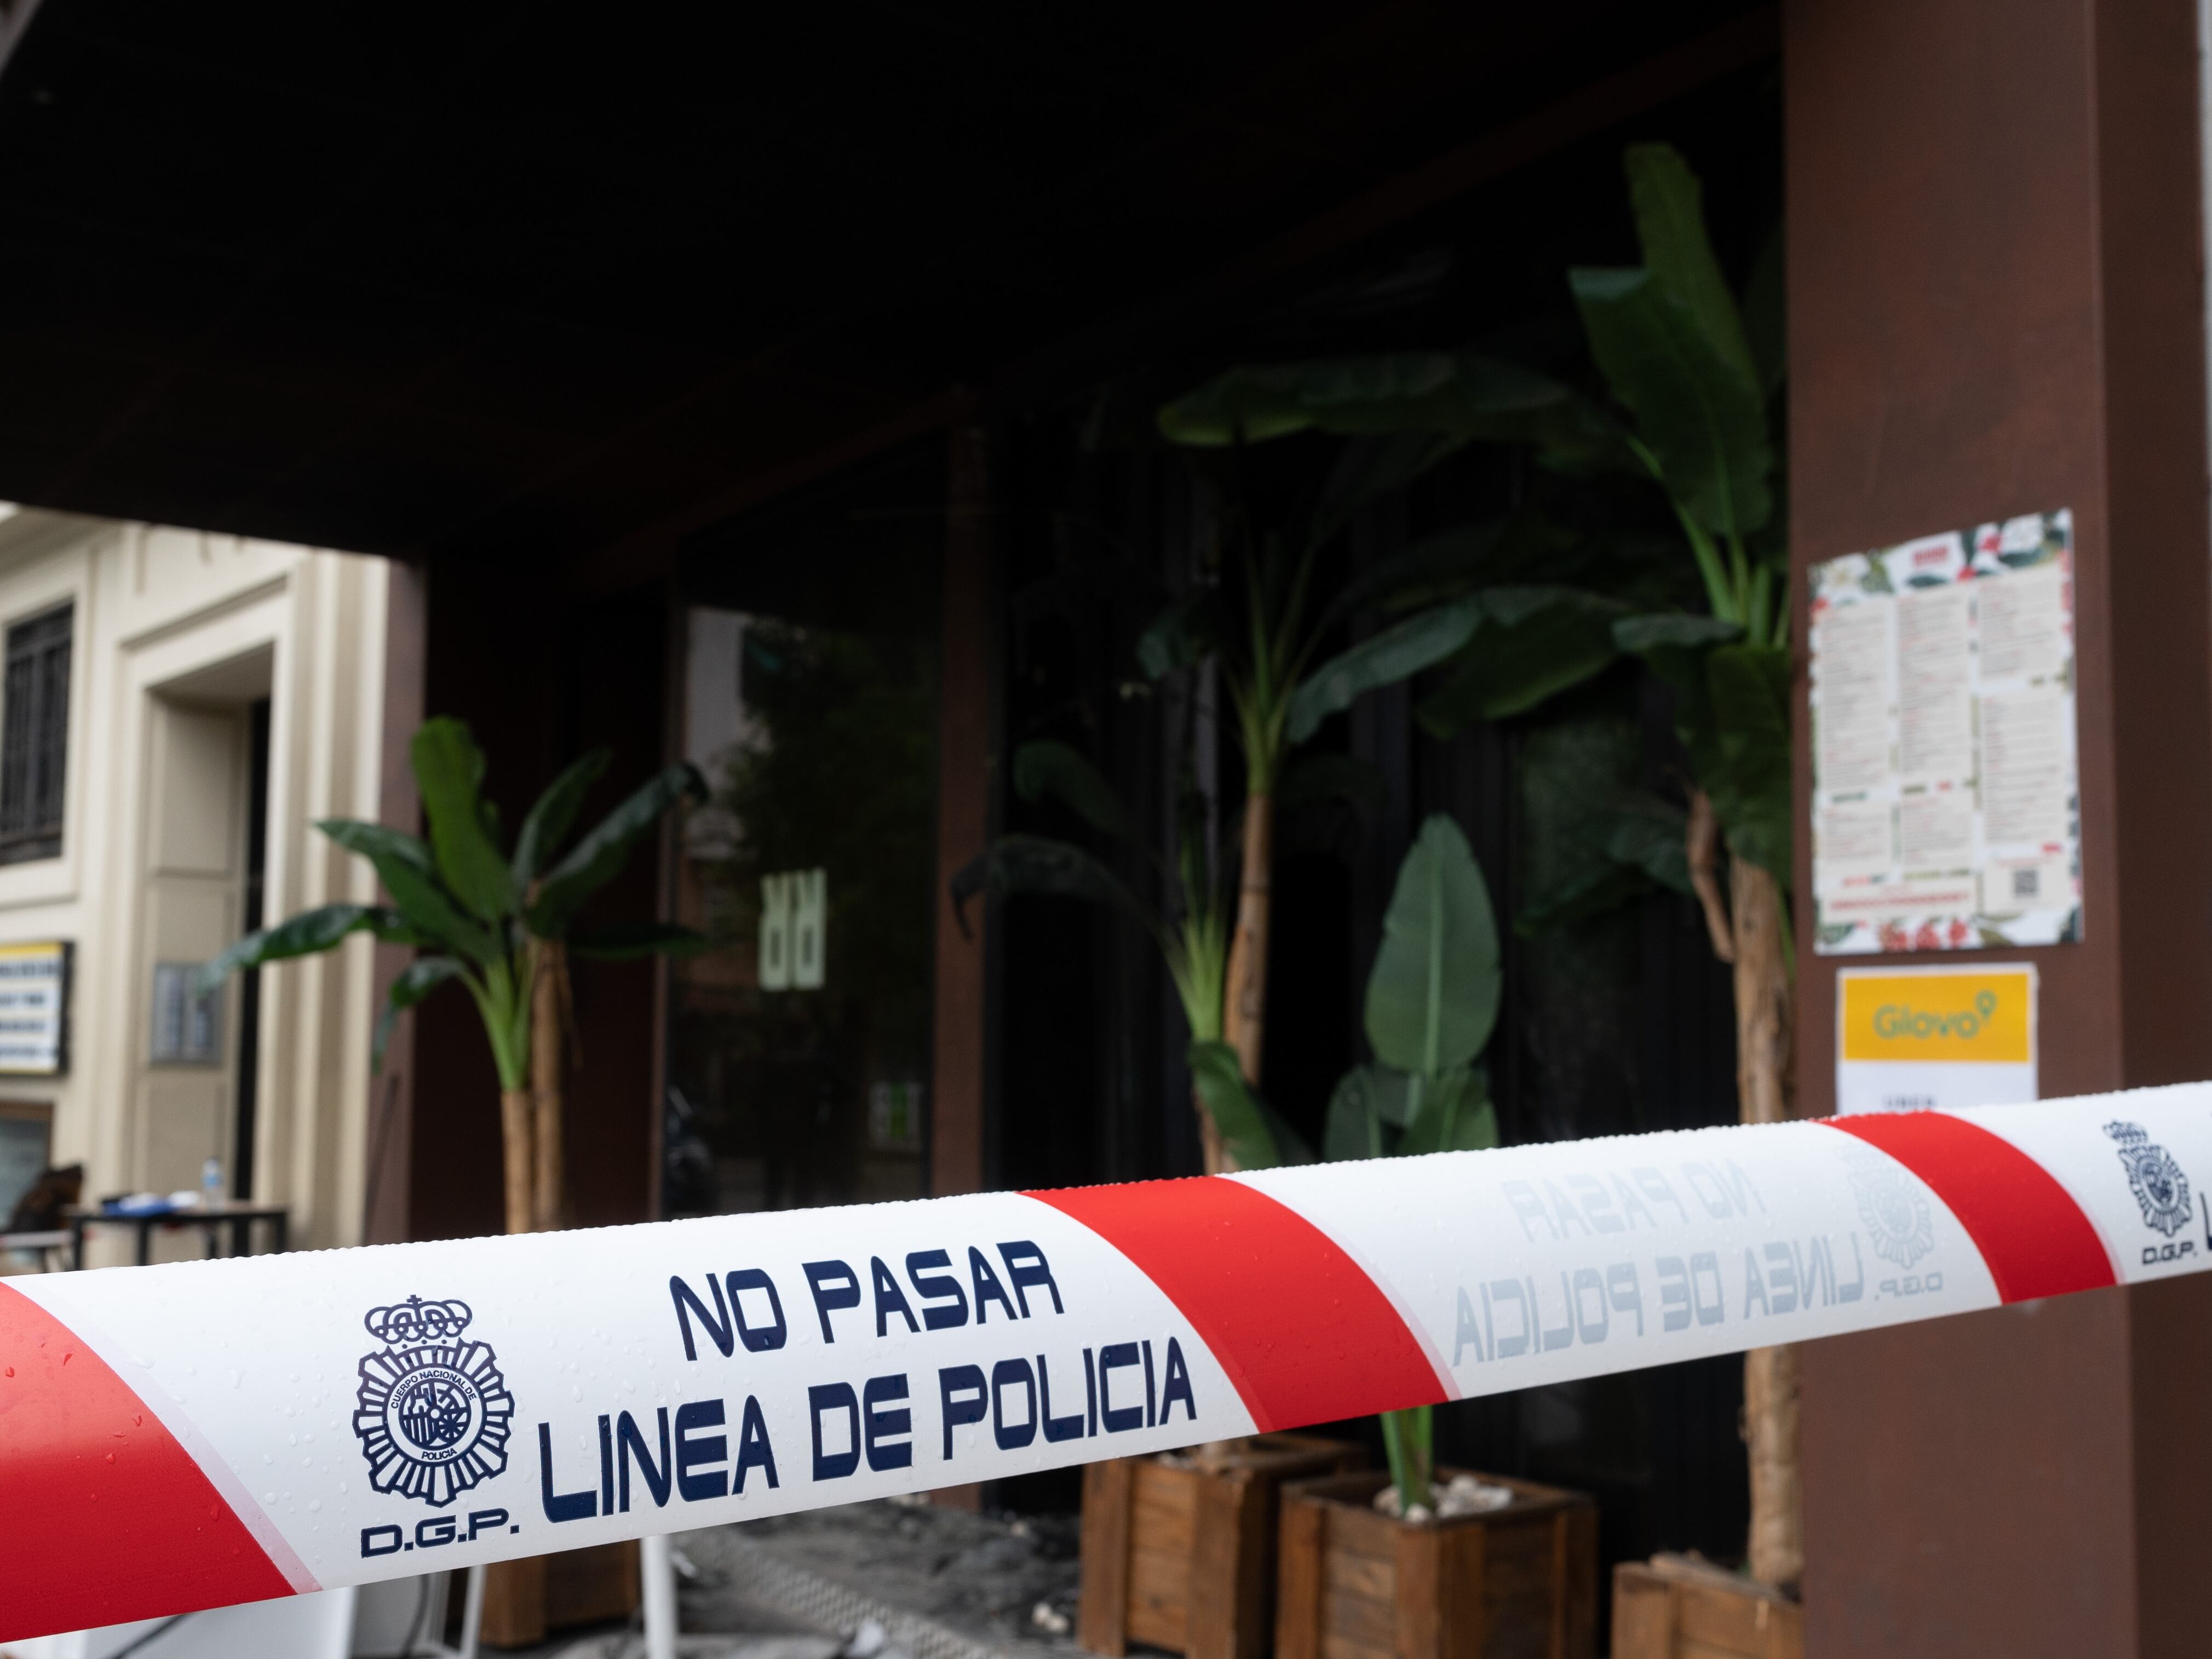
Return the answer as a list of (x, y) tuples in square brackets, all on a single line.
[(1946, 808)]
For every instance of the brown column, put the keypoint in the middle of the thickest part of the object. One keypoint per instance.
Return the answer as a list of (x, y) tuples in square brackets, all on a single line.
[(964, 817), (1994, 307), (385, 1207)]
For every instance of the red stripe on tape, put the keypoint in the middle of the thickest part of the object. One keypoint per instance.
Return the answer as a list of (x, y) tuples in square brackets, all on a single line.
[(1304, 1335), (83, 1459), (2033, 1234)]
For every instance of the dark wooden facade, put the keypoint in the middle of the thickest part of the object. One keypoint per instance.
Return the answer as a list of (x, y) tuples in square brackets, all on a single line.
[(541, 307)]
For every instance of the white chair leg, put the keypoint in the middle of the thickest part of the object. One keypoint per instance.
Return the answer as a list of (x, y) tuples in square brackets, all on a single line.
[(657, 1567), (472, 1612)]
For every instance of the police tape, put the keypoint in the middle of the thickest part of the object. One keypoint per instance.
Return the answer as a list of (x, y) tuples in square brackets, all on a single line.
[(188, 1435)]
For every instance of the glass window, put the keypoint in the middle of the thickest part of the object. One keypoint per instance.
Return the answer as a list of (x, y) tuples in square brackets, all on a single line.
[(798, 1058), (34, 737)]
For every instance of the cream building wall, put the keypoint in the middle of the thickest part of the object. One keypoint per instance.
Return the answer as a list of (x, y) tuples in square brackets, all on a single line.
[(176, 633)]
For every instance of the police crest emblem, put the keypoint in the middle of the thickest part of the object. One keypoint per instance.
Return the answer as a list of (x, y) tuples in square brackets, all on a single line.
[(434, 1413), (1896, 1215), (2160, 1185)]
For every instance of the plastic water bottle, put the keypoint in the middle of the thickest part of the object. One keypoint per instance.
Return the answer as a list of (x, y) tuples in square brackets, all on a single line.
[(211, 1183)]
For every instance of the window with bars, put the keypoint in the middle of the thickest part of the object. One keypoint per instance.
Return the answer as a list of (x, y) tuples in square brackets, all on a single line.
[(34, 736)]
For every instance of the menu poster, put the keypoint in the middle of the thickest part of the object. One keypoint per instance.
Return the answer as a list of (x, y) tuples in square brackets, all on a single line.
[(1946, 813)]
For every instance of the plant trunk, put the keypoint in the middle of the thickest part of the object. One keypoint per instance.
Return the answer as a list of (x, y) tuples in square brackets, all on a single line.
[(515, 1123), (1244, 1008), (1770, 1375), (1777, 1510), (546, 1033), (1212, 1153)]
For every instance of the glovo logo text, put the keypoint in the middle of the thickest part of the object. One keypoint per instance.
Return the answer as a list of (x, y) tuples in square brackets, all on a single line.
[(1982, 1018)]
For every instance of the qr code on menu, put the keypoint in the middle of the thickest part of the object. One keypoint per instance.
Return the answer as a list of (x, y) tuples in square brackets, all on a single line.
[(2027, 883)]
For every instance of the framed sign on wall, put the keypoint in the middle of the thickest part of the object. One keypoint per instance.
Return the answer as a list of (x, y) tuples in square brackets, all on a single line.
[(34, 982), (1945, 806)]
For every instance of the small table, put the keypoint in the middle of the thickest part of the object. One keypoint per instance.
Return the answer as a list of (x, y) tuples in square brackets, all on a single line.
[(210, 1219), (46, 1243)]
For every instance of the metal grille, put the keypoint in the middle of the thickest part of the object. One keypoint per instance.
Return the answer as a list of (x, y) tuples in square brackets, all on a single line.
[(34, 737)]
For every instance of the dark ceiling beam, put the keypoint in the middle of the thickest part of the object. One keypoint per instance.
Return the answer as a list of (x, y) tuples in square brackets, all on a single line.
[(1605, 103), (650, 552), (14, 18)]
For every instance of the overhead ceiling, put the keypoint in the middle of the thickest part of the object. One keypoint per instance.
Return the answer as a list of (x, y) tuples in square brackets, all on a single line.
[(522, 281)]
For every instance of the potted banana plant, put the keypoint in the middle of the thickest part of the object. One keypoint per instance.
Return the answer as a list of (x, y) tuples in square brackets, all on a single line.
[(1423, 1562), (501, 925), (1178, 1550), (1694, 371)]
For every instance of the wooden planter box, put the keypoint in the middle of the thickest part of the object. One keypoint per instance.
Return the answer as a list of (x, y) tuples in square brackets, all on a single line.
[(1356, 1585), (1680, 1608), (1182, 1557), (525, 1599)]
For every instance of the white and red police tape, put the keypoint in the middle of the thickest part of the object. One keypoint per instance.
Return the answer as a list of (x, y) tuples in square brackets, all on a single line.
[(180, 1437)]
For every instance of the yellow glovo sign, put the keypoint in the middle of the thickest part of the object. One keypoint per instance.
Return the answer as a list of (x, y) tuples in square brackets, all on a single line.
[(1985, 1017)]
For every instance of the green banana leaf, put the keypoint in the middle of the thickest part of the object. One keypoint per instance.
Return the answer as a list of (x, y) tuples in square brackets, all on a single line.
[(1378, 1111), (1370, 467), (415, 982), (1698, 413), (1623, 842), (1397, 653), (449, 770), (600, 853), (402, 864), (1443, 391), (1732, 713), (554, 815), (1188, 629), (1455, 1115), (1252, 1132), (1751, 796), (1533, 643), (1766, 316), (1668, 203), (304, 935), (1046, 769), (1037, 863), (1432, 995)]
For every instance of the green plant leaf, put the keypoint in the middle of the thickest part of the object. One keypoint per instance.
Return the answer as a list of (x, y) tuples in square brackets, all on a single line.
[(1432, 995), (1626, 841), (554, 816), (628, 941), (1355, 1126), (1188, 630), (599, 856), (1370, 467), (1399, 652), (1751, 793), (1700, 414), (1045, 769), (1237, 1118), (1456, 1115), (1038, 864), (1459, 393), (1670, 225), (420, 978), (1765, 319), (1534, 643), (307, 934), (403, 864), (449, 770), (1652, 637)]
